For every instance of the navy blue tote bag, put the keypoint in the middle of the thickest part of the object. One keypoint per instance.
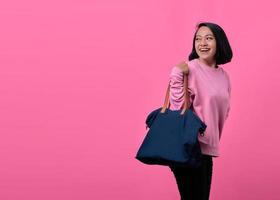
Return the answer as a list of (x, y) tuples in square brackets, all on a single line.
[(172, 136)]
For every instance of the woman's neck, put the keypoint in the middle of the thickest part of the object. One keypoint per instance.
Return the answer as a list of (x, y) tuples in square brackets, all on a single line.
[(210, 63)]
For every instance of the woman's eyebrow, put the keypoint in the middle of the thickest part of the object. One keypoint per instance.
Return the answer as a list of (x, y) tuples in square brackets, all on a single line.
[(205, 35)]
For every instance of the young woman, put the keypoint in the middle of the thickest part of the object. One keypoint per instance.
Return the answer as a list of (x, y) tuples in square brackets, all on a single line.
[(210, 89)]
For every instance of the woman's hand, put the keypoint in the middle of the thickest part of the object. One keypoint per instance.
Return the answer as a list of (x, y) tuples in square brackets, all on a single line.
[(183, 66)]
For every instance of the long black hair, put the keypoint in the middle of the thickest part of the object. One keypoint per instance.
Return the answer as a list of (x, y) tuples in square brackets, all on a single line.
[(223, 50)]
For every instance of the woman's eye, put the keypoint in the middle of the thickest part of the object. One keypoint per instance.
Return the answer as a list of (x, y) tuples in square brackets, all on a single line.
[(208, 38)]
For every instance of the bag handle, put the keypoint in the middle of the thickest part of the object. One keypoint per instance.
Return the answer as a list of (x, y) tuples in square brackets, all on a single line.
[(186, 97)]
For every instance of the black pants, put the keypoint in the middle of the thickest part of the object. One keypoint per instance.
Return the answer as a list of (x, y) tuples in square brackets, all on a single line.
[(195, 183)]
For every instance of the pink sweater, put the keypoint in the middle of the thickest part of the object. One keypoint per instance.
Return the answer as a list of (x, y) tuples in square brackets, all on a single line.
[(210, 91)]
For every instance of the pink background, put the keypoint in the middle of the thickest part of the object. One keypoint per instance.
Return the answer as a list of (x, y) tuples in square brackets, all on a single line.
[(77, 79)]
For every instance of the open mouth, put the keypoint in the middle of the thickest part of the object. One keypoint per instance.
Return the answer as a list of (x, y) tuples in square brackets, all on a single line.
[(204, 50)]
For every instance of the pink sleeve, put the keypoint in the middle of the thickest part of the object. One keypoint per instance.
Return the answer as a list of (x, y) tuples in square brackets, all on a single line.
[(177, 89), (229, 91)]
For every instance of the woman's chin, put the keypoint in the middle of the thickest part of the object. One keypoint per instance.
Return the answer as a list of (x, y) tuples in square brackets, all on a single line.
[(205, 57)]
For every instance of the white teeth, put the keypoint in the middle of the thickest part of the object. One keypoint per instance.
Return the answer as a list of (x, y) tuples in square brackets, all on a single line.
[(204, 50)]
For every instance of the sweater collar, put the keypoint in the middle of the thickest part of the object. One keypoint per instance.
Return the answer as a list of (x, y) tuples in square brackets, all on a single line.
[(207, 67)]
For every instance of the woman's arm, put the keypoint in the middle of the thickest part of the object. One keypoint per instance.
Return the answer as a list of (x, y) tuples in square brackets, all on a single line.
[(176, 85), (229, 91)]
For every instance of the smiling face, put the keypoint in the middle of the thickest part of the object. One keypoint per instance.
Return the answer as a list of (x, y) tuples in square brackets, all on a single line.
[(205, 45)]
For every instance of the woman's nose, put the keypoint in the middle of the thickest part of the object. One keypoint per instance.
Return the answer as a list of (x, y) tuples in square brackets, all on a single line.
[(203, 42)]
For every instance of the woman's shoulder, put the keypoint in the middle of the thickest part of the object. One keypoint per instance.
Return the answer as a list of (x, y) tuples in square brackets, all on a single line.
[(191, 64), (226, 74)]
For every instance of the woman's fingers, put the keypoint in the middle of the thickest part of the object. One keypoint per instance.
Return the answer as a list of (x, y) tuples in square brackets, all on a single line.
[(183, 66)]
